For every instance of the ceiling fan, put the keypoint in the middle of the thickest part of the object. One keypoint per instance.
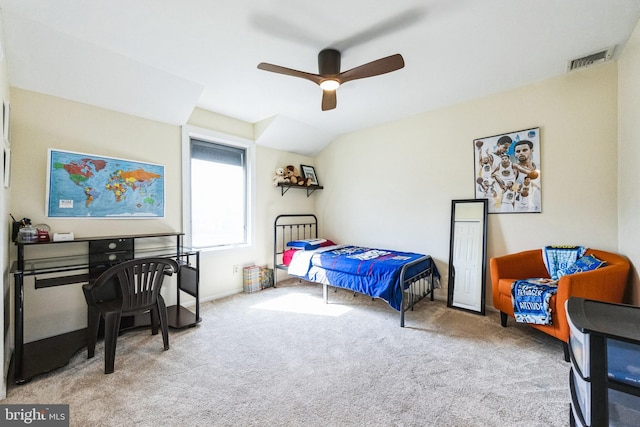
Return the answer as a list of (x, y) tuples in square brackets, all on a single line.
[(329, 77)]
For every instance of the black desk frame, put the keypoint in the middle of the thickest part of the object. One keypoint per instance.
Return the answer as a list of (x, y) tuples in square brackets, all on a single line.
[(51, 353)]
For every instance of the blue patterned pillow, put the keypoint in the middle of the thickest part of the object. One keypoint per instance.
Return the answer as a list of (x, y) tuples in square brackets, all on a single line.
[(586, 263), (557, 258), (306, 244)]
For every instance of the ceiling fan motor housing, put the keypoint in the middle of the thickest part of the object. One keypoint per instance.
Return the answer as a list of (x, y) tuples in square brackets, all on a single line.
[(328, 62)]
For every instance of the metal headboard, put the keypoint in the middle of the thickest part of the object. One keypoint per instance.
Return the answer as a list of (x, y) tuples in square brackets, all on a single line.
[(288, 227)]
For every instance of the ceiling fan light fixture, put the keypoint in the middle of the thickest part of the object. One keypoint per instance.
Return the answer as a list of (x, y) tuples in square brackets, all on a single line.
[(329, 84), (331, 78)]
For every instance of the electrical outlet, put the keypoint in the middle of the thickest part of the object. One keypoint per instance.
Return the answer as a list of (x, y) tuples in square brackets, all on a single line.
[(236, 269)]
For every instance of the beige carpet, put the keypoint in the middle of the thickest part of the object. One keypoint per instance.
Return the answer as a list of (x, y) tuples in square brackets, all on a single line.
[(281, 357)]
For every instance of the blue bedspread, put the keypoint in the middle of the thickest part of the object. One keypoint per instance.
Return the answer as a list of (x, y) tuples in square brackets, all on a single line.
[(373, 272)]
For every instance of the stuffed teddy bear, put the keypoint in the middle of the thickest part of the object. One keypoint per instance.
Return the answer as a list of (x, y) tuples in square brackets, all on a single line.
[(293, 174), (280, 177)]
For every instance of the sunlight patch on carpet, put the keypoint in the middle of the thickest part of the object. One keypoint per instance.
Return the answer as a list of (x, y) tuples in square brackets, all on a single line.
[(303, 304)]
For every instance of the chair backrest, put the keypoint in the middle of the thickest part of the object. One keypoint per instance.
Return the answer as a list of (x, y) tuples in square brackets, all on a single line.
[(140, 281)]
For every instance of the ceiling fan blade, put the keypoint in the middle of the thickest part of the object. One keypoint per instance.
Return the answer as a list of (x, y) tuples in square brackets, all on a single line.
[(290, 72), (329, 100), (374, 68)]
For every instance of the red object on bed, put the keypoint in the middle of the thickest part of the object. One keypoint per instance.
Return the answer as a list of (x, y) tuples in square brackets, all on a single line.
[(287, 255)]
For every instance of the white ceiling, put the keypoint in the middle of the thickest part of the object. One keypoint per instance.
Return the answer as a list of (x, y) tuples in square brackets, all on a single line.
[(159, 59)]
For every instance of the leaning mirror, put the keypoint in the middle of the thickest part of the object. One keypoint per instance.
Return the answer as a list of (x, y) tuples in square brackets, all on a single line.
[(467, 255)]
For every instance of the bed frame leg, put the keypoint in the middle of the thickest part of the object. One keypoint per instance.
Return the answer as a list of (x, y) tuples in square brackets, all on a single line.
[(402, 302), (325, 293), (432, 284)]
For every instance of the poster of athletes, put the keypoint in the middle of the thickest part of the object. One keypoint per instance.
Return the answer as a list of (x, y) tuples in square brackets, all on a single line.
[(508, 171)]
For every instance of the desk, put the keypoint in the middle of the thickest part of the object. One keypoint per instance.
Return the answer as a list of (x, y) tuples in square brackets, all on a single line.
[(47, 354)]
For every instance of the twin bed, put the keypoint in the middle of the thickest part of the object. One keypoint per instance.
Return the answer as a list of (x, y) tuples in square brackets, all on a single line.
[(399, 278)]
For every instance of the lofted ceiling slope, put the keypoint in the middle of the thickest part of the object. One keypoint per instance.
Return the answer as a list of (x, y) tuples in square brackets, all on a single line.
[(160, 60)]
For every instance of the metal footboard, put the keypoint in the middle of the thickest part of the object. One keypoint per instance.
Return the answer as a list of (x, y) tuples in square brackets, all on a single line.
[(416, 287)]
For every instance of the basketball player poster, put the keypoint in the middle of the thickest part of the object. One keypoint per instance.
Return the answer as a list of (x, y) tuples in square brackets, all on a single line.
[(507, 171)]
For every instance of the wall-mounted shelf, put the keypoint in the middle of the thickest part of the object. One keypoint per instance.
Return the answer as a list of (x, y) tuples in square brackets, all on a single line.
[(310, 189)]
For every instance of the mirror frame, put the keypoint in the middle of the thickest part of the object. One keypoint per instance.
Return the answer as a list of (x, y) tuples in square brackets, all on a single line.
[(451, 280)]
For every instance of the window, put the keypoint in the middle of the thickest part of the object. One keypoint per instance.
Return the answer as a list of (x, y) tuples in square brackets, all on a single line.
[(217, 189)]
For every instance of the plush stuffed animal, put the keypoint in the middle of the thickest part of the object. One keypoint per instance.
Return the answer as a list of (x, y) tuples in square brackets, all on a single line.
[(280, 177), (293, 174)]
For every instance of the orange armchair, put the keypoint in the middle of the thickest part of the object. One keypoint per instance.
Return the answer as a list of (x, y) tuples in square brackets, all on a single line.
[(607, 284)]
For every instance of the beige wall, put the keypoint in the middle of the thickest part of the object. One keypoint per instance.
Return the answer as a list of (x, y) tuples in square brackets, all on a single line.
[(629, 155), (42, 122), (5, 200), (392, 185)]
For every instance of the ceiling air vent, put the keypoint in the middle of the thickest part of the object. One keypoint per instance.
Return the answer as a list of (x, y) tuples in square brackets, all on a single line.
[(594, 58)]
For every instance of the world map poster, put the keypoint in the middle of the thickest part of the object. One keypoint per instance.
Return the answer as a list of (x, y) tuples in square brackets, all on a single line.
[(89, 186)]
